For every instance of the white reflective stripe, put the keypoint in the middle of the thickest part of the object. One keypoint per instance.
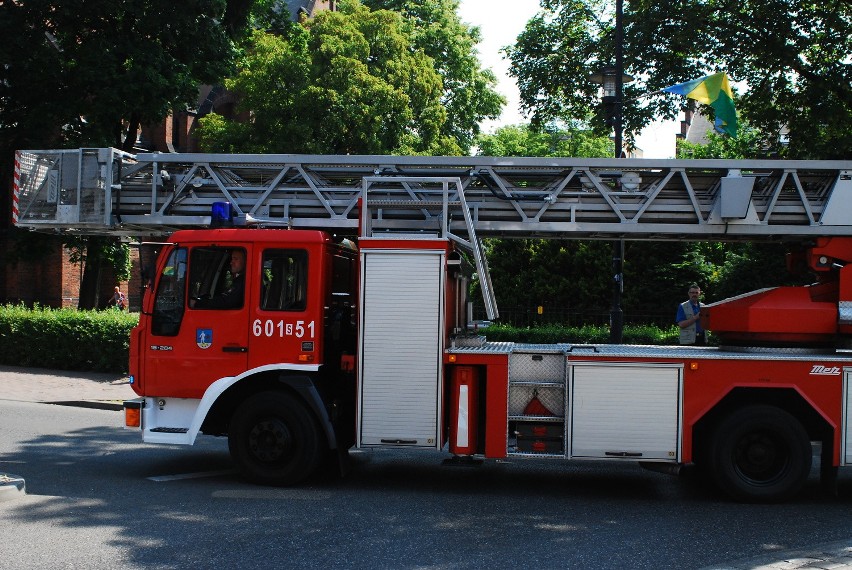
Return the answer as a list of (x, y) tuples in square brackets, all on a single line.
[(462, 436)]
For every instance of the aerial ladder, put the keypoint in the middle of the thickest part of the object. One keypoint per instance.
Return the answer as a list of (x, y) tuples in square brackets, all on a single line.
[(107, 191)]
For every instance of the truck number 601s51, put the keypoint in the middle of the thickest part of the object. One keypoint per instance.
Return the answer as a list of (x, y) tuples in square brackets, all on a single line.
[(282, 329)]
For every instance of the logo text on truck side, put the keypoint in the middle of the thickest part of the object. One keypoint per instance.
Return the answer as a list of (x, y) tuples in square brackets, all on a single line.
[(820, 370)]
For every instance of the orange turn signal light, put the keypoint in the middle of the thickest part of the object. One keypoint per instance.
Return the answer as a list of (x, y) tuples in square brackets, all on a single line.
[(306, 358), (132, 417)]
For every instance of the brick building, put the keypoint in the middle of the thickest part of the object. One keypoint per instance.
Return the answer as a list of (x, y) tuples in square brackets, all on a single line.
[(49, 277)]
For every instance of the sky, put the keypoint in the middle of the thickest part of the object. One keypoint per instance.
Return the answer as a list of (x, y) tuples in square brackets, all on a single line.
[(500, 22)]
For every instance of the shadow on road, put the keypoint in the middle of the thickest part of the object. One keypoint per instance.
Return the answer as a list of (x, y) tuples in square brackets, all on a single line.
[(396, 510)]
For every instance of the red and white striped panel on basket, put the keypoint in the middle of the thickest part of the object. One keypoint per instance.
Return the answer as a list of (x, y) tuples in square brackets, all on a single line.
[(16, 187)]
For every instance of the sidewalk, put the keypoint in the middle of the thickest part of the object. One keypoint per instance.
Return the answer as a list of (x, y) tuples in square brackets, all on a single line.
[(85, 389), (829, 556)]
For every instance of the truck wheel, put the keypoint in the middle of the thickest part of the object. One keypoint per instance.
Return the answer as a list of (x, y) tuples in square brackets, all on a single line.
[(760, 454), (274, 439)]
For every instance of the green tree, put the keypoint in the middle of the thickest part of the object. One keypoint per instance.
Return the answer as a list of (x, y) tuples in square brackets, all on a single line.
[(95, 253), (523, 140), (553, 58), (656, 277), (346, 82), (89, 73), (747, 144), (469, 94), (790, 56), (571, 275)]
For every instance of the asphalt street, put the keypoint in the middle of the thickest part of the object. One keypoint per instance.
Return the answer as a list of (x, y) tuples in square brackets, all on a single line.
[(99, 498)]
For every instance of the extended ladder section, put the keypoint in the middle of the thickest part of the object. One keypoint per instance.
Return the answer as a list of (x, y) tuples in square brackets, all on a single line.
[(109, 192), (388, 201)]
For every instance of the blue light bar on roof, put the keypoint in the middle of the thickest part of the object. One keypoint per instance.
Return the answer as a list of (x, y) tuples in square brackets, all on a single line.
[(221, 215)]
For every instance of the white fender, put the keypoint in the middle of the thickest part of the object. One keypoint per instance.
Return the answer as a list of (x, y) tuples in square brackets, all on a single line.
[(217, 388)]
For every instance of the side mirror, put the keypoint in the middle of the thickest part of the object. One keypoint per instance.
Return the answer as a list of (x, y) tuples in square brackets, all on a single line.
[(148, 255)]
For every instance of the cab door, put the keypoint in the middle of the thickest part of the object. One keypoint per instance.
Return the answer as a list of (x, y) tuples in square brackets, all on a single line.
[(285, 326), (194, 340)]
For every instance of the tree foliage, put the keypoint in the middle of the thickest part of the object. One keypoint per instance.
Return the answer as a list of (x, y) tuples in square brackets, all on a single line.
[(89, 73), (553, 58), (523, 140), (469, 94), (576, 275), (745, 145), (791, 58), (96, 253), (573, 275), (353, 81)]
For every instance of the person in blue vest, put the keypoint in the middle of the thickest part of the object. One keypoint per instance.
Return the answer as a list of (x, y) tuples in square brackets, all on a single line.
[(689, 318)]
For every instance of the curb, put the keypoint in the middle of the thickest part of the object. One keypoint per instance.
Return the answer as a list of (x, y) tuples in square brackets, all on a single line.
[(836, 555), (11, 487), (91, 404)]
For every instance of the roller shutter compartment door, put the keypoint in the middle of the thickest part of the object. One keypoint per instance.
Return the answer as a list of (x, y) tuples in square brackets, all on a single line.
[(401, 348)]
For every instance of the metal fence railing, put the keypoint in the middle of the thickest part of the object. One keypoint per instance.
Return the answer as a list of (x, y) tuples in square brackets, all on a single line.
[(525, 316)]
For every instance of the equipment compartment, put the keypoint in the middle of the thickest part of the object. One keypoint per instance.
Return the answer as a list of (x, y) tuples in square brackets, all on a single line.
[(538, 430), (626, 411), (537, 401), (552, 446)]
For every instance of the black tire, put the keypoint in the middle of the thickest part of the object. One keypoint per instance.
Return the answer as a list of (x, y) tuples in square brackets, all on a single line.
[(275, 439), (760, 454)]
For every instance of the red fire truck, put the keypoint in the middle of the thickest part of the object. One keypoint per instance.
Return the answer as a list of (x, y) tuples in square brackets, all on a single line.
[(264, 322)]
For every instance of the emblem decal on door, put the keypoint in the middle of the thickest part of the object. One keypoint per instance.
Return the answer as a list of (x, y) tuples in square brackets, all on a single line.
[(204, 338)]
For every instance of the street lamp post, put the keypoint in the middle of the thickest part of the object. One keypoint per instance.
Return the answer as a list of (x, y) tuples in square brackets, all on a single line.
[(616, 315), (613, 80), (619, 75)]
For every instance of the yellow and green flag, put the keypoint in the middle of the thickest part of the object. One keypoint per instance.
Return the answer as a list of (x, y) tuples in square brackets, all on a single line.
[(713, 90)]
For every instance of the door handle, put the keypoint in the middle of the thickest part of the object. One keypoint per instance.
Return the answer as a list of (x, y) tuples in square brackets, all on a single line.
[(234, 349)]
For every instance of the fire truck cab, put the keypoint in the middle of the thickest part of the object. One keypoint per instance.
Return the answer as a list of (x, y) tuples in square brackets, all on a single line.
[(215, 347), (274, 368)]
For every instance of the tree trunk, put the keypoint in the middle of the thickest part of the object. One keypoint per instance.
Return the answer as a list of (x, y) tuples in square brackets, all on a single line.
[(130, 135), (90, 285)]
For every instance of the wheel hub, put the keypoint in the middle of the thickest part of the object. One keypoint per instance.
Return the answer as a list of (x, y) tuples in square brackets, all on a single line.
[(760, 459), (270, 440)]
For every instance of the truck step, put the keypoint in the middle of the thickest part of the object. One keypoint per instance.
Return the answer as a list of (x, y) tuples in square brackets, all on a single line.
[(169, 430)]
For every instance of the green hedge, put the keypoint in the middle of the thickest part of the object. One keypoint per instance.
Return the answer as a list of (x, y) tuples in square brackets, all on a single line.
[(65, 339), (589, 334)]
